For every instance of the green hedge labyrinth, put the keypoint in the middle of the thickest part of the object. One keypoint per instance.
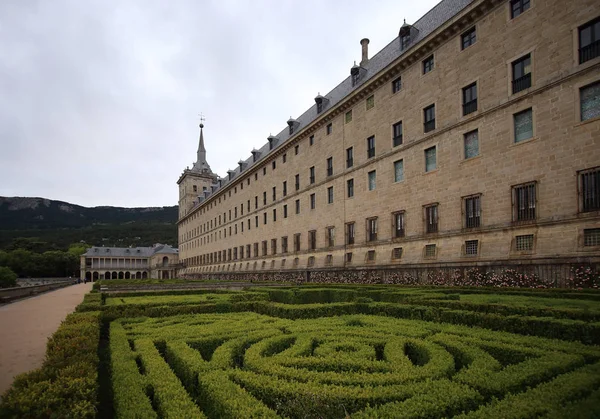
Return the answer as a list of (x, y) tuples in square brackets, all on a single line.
[(321, 352)]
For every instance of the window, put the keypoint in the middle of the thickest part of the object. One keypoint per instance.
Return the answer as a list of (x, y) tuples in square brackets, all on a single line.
[(468, 38), (398, 224), (329, 128), (349, 157), (273, 247), (291, 128), (524, 200), (284, 244), (312, 240), (589, 97), (255, 250), (397, 85), (296, 261), (371, 147), (397, 134), (348, 257), (297, 206), (429, 118), (350, 187), (371, 256), (283, 158), (274, 214), (372, 229), (312, 201), (471, 144), (430, 159), (397, 253), (472, 211), (285, 188), (248, 255), (355, 78), (521, 70), (349, 116), (285, 214), (471, 247), (195, 188), (311, 261), (523, 125), (469, 96), (274, 164), (297, 242), (297, 183), (591, 237), (330, 236), (589, 41), (319, 106), (431, 218), (370, 102), (255, 202), (524, 243), (256, 220), (264, 172), (328, 259), (430, 250), (264, 247), (296, 150), (312, 175), (311, 140), (589, 190), (399, 171), (265, 198), (274, 193), (372, 180), (330, 195), (517, 7), (264, 218), (405, 41), (428, 64), (330, 166)]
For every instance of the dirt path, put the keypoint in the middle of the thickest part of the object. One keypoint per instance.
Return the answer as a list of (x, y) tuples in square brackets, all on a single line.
[(26, 325)]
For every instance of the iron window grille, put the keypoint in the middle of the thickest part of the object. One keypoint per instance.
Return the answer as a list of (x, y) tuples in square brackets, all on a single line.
[(468, 38), (371, 147), (397, 253), (371, 256), (350, 233), (397, 134), (431, 219), (473, 211), (589, 41), (330, 166), (524, 202), (350, 186), (471, 247), (469, 99), (524, 243), (349, 157), (591, 237), (589, 190), (430, 250), (398, 224), (429, 118), (521, 70), (428, 64), (397, 85), (372, 229)]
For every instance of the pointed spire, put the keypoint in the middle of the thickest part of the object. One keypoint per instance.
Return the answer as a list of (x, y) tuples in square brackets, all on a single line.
[(201, 163)]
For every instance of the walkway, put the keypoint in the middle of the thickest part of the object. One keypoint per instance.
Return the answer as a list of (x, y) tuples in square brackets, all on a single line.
[(26, 325)]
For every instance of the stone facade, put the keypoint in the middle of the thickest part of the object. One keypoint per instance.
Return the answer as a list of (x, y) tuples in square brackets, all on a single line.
[(523, 193)]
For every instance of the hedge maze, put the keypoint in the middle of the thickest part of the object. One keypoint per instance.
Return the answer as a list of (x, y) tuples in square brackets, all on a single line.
[(347, 351)]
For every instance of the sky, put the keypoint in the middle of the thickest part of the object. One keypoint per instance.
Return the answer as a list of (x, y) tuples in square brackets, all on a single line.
[(99, 99)]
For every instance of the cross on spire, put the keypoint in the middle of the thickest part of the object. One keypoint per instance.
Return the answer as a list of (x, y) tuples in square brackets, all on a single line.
[(202, 119)]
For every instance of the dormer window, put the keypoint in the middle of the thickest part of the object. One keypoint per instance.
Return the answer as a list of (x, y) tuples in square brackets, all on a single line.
[(355, 76), (292, 125), (255, 155), (407, 33), (319, 107), (405, 41), (272, 142)]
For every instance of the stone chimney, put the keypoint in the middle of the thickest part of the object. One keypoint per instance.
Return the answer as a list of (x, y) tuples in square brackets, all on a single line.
[(365, 51)]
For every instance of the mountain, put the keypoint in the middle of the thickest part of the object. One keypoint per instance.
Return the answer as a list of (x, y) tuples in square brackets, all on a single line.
[(56, 224)]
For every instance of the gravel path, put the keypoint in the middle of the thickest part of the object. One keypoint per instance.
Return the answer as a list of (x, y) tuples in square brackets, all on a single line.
[(26, 325)]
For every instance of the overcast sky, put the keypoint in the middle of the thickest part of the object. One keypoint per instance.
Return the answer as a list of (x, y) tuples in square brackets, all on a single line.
[(99, 99)]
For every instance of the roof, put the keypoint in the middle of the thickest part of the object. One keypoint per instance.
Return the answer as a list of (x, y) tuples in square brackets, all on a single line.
[(130, 251), (427, 24)]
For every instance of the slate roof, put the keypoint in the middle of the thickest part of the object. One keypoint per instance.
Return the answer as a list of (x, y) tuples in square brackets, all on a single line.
[(130, 251), (427, 24)]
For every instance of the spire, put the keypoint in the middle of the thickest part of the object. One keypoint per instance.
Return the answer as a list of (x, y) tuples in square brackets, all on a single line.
[(201, 164)]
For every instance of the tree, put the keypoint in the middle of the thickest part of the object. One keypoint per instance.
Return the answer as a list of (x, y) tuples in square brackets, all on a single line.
[(7, 277)]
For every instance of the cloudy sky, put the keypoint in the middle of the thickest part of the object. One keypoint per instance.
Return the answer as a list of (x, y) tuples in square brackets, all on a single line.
[(99, 99)]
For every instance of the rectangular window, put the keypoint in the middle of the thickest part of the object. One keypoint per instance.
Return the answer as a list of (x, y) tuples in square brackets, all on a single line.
[(399, 171), (312, 201), (591, 237), (372, 229), (397, 85), (255, 202), (468, 38), (372, 180), (297, 206), (265, 198), (524, 202), (264, 248), (517, 7), (349, 157), (348, 257), (274, 193), (472, 211), (371, 256), (256, 220), (311, 140), (589, 98), (248, 254), (429, 118), (330, 195), (471, 247), (312, 175), (296, 150), (311, 261), (398, 224), (589, 190), (273, 246), (274, 214), (471, 144), (350, 233), (312, 240), (430, 159), (297, 183), (521, 70), (430, 250), (349, 116), (431, 218), (523, 125), (469, 96), (524, 243), (255, 250), (297, 242), (397, 134), (283, 158), (397, 253), (264, 172), (428, 64), (589, 41), (350, 187), (274, 164), (285, 188), (329, 128), (330, 236), (371, 147), (370, 102), (264, 218), (284, 244), (285, 214), (330, 166)]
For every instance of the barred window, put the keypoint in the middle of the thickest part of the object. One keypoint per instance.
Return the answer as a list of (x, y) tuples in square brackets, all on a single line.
[(589, 97), (589, 41), (517, 7), (431, 218), (349, 157), (297, 182), (397, 85), (589, 190), (397, 253), (398, 224), (591, 237), (371, 147), (348, 257), (524, 242), (523, 125), (428, 64), (469, 94), (471, 247), (524, 202), (274, 193), (371, 255), (430, 159), (471, 144), (521, 74), (350, 233), (473, 211), (312, 240), (372, 229), (430, 250), (399, 171), (468, 38), (429, 118)]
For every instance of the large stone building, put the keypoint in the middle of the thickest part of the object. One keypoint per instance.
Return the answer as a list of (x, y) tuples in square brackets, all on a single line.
[(158, 262), (473, 138)]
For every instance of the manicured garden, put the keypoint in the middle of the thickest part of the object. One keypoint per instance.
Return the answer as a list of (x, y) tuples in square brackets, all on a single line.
[(321, 351)]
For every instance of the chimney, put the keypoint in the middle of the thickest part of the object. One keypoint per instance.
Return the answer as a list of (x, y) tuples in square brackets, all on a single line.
[(365, 51)]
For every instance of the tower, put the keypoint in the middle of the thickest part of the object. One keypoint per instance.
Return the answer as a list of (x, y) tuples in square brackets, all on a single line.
[(193, 182)]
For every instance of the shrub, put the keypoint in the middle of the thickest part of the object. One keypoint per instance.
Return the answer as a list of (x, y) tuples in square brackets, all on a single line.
[(7, 277)]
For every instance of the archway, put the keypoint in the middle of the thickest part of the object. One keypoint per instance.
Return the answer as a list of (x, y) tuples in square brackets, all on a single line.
[(165, 261), (107, 275), (138, 275), (127, 275), (144, 275), (121, 275), (88, 276), (95, 276), (114, 275)]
